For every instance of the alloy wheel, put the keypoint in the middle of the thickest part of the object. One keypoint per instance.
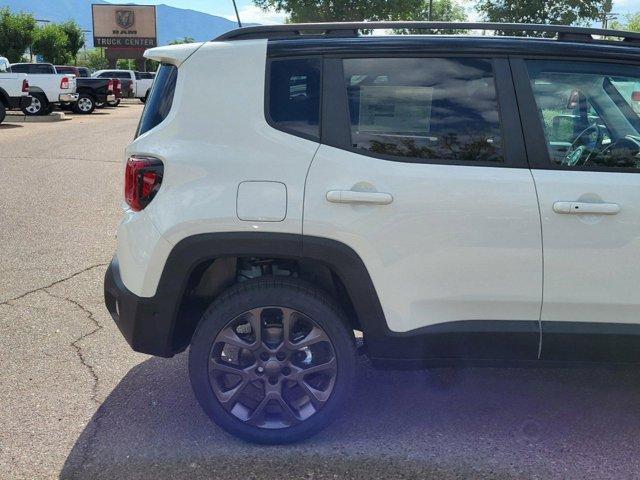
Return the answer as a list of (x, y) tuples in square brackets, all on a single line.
[(85, 104), (35, 107), (272, 367)]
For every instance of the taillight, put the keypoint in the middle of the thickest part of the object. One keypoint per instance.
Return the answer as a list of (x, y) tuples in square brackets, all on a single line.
[(110, 86), (118, 84), (64, 83), (25, 86), (142, 180)]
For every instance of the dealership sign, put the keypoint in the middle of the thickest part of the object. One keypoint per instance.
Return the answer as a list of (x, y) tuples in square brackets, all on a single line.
[(124, 26)]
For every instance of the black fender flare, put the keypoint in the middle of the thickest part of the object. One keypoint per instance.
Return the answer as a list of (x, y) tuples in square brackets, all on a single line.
[(192, 251)]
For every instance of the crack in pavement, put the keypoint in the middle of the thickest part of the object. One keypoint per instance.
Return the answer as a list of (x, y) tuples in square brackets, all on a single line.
[(39, 289), (78, 348)]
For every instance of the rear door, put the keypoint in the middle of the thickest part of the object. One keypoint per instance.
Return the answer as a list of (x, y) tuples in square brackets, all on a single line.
[(422, 172), (583, 138)]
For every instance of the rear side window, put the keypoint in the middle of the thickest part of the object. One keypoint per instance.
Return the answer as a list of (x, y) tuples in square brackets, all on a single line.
[(294, 96), (432, 109), (160, 99), (33, 68)]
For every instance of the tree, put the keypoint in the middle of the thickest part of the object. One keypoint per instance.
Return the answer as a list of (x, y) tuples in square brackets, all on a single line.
[(360, 10), (559, 12), (75, 38), (630, 22), (51, 42), (180, 41), (93, 59), (16, 33)]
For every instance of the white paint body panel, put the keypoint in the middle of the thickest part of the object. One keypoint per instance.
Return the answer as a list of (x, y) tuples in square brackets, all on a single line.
[(262, 201), (206, 155), (456, 243), (592, 261)]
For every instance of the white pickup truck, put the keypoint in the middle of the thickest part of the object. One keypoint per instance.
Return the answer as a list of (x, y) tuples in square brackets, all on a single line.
[(14, 89), (141, 82), (46, 87)]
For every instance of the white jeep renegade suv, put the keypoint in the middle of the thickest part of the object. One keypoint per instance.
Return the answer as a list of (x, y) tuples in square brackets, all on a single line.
[(454, 198)]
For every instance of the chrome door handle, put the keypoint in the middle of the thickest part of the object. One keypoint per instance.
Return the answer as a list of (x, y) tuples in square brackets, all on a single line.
[(576, 208), (351, 196)]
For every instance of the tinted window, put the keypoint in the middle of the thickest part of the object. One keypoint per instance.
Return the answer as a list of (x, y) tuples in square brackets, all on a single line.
[(160, 99), (424, 108), (83, 72), (589, 113), (65, 70), (32, 68), (294, 95)]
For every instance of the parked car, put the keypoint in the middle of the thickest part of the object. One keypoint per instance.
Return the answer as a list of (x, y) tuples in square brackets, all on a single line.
[(91, 91), (46, 87), (140, 82), (14, 89), (409, 187)]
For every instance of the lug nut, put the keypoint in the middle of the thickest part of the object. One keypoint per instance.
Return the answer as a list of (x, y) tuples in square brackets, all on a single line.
[(260, 369), (281, 356)]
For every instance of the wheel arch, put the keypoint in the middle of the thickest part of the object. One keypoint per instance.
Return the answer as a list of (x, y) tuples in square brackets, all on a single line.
[(193, 256)]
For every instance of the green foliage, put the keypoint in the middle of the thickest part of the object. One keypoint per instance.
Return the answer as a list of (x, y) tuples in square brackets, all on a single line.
[(561, 12), (630, 22), (51, 42), (93, 59), (359, 10), (179, 41), (75, 38), (16, 33), (126, 64)]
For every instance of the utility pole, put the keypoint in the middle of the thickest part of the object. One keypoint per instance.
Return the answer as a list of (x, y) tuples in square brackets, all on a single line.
[(235, 7), (430, 9)]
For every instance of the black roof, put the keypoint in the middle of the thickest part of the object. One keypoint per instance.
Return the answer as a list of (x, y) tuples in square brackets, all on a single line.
[(462, 44)]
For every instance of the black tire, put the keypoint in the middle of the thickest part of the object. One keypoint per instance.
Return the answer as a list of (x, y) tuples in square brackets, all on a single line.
[(305, 300), (85, 105), (144, 99), (100, 104), (114, 103), (39, 106), (3, 112)]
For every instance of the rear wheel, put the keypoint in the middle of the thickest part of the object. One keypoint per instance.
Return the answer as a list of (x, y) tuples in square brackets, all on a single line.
[(39, 105), (3, 112), (272, 361), (113, 103), (85, 105)]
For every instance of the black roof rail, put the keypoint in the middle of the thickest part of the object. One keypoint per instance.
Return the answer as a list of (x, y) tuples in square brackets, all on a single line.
[(351, 29)]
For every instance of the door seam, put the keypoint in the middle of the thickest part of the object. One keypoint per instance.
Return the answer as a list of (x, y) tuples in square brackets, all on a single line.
[(535, 188)]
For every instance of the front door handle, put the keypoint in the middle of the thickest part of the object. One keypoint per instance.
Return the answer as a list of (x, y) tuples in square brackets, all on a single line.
[(576, 208), (351, 196)]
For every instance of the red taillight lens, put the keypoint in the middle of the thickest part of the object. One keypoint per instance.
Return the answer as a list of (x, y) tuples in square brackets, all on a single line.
[(110, 86), (635, 96), (142, 180), (25, 86), (64, 83)]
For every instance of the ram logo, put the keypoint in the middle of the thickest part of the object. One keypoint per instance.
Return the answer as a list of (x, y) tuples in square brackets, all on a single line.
[(125, 18)]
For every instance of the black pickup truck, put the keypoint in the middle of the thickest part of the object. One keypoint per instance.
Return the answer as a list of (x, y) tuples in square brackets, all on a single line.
[(92, 91)]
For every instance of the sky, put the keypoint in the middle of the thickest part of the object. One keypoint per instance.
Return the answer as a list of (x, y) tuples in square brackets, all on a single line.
[(249, 13)]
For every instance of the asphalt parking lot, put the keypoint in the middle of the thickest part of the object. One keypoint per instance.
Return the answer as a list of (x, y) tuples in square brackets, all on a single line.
[(76, 402)]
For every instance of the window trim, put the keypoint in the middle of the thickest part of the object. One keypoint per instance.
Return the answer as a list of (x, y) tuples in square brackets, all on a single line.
[(336, 126), (535, 139), (267, 97)]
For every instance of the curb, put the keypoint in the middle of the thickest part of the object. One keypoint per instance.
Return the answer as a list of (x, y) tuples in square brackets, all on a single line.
[(14, 117)]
